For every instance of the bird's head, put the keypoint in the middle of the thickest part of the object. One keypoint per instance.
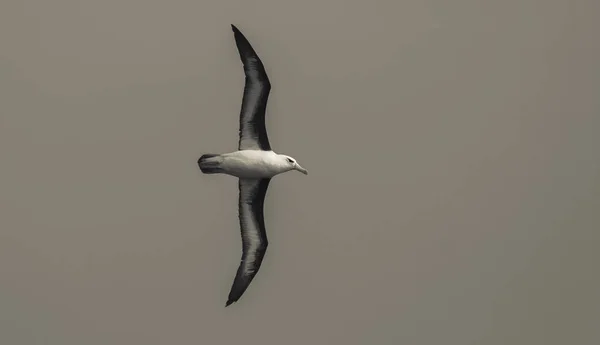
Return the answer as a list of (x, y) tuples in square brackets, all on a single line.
[(291, 164)]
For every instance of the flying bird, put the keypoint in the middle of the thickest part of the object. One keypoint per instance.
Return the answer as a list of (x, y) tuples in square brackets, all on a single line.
[(254, 164)]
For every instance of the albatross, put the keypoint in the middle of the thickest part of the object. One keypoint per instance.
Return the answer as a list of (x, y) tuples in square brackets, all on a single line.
[(254, 164)]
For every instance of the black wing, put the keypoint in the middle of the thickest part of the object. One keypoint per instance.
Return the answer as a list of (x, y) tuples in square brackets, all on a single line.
[(254, 236), (253, 132)]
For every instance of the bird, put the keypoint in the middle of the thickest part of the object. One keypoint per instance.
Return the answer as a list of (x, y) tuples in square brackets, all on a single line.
[(254, 164)]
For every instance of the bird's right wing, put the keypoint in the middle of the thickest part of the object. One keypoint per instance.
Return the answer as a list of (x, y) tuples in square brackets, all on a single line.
[(254, 237), (253, 132)]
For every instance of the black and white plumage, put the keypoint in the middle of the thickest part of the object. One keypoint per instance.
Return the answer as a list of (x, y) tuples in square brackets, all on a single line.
[(254, 164), (253, 132)]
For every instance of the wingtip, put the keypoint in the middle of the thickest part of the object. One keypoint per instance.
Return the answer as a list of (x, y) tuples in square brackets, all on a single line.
[(234, 28), (229, 302)]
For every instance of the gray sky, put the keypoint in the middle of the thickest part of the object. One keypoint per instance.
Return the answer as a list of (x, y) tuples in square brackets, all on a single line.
[(452, 195)]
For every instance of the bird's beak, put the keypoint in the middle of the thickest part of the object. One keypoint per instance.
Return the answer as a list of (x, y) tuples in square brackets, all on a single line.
[(300, 169)]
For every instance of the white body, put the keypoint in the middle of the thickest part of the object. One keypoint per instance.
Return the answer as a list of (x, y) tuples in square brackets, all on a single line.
[(253, 164)]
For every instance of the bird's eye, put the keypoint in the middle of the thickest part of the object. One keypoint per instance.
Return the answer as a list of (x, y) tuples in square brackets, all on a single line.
[(289, 160)]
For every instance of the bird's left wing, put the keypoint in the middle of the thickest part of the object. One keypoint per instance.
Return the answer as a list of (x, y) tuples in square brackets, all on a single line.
[(254, 237), (253, 132)]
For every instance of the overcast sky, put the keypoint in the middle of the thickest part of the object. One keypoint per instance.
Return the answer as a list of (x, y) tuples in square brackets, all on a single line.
[(452, 149)]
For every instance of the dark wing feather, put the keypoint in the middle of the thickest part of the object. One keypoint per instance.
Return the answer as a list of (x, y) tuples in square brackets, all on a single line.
[(254, 237), (253, 132)]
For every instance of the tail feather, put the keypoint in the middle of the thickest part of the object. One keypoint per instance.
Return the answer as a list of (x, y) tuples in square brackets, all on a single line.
[(209, 163)]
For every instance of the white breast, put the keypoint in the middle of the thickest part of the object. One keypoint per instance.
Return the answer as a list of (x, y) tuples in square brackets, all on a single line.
[(252, 164)]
